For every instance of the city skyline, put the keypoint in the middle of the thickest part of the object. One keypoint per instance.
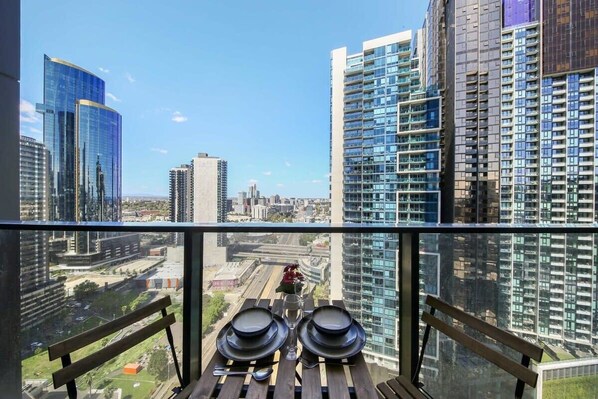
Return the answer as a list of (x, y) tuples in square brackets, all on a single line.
[(250, 90)]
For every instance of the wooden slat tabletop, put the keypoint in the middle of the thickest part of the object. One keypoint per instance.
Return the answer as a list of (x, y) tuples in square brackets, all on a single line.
[(330, 377)]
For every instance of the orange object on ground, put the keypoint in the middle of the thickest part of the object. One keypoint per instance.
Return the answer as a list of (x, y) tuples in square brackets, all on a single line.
[(132, 368)]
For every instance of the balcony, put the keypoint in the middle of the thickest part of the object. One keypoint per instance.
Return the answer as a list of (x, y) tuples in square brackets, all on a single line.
[(426, 252)]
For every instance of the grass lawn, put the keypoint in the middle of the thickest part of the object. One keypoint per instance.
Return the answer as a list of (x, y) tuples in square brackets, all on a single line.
[(127, 384), (38, 366), (575, 387)]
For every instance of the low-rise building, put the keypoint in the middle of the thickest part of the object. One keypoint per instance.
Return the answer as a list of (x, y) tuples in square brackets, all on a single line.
[(233, 274)]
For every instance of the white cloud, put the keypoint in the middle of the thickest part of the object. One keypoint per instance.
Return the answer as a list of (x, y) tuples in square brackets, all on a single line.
[(267, 173), (130, 77), (279, 185), (287, 163), (113, 97), (252, 181), (159, 150), (105, 70), (28, 114), (178, 117), (316, 181)]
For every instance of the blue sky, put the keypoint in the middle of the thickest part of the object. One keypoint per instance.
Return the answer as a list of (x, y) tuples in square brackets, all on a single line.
[(247, 81)]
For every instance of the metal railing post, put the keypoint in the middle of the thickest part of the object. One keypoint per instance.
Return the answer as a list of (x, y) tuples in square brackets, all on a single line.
[(408, 304), (192, 304)]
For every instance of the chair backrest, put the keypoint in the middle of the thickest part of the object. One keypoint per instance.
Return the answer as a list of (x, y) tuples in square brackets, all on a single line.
[(527, 349), (63, 349)]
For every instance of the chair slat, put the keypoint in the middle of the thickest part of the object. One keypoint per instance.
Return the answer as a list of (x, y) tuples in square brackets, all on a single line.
[(88, 363), (514, 342), (513, 368), (399, 390), (72, 344), (386, 391), (413, 391)]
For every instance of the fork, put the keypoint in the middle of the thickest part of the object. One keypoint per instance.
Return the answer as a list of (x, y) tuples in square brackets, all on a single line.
[(308, 364)]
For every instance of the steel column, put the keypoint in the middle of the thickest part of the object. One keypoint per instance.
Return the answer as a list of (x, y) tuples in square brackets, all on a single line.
[(408, 304), (192, 305)]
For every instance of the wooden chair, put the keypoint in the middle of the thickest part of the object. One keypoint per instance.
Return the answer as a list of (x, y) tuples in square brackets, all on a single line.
[(70, 371), (401, 387)]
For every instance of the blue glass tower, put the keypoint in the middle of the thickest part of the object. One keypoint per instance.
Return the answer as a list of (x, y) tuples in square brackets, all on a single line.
[(64, 85), (98, 161)]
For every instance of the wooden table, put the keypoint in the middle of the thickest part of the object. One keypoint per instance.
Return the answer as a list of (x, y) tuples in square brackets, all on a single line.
[(289, 380)]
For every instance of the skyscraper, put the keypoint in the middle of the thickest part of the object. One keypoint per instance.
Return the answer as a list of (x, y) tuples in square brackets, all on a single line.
[(198, 193), (548, 128), (41, 296), (64, 85), (84, 141), (385, 167), (210, 180), (180, 194), (210, 185), (83, 138)]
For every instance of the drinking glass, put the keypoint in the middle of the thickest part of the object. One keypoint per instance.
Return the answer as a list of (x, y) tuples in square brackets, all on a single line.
[(291, 313), (302, 290)]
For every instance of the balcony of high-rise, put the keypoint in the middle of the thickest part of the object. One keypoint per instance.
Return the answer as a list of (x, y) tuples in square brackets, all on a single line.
[(450, 150)]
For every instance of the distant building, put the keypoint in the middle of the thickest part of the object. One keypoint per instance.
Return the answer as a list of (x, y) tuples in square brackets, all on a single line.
[(168, 276), (210, 179), (274, 199), (41, 297), (210, 184), (103, 252), (233, 274), (181, 194), (259, 212)]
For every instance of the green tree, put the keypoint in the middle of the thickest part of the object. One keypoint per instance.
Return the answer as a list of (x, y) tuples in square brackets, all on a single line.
[(85, 290), (109, 392), (321, 292), (158, 364), (89, 381)]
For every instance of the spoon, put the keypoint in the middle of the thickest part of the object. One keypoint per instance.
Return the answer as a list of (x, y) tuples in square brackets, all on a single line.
[(258, 375)]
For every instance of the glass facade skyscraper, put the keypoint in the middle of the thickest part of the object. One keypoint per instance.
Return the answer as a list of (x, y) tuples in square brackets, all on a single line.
[(547, 283), (98, 161), (84, 141), (385, 161), (64, 85)]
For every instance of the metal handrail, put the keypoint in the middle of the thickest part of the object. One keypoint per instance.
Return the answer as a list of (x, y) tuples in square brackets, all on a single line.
[(408, 264), (422, 228)]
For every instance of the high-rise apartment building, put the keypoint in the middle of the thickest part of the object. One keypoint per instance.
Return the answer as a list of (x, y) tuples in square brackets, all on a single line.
[(548, 128), (210, 182), (198, 193), (385, 167), (180, 194), (41, 296)]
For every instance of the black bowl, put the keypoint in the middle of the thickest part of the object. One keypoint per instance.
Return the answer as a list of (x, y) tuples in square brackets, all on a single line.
[(331, 320), (252, 322)]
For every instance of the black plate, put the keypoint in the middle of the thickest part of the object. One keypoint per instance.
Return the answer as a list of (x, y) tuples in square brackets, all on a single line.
[(330, 353), (249, 355)]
